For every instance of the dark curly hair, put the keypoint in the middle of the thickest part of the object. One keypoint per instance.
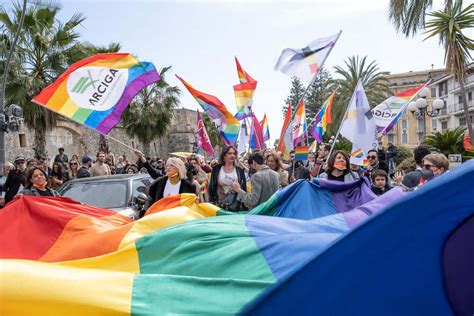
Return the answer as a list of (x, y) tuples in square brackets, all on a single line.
[(224, 152)]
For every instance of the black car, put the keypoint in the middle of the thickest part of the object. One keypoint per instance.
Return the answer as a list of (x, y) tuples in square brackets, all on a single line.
[(123, 193)]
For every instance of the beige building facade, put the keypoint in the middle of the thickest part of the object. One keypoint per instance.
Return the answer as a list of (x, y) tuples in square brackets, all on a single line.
[(411, 131), (80, 140)]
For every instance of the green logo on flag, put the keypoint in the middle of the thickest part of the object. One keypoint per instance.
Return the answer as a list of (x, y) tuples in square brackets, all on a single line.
[(82, 85)]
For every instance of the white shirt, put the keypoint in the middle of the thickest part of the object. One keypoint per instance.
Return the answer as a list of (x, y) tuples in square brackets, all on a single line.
[(226, 179), (171, 188)]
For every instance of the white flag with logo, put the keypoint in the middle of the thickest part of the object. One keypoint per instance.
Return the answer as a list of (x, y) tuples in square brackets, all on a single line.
[(305, 62), (359, 126), (244, 137)]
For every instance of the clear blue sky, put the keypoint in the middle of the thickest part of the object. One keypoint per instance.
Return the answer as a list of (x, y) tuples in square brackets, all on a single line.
[(199, 39)]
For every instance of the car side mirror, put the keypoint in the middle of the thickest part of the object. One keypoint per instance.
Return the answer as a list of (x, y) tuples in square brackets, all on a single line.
[(141, 199)]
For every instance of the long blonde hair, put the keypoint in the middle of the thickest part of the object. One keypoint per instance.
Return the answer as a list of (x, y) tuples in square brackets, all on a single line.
[(178, 164)]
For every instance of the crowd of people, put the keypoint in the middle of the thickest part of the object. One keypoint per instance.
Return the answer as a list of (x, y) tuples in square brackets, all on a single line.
[(232, 182)]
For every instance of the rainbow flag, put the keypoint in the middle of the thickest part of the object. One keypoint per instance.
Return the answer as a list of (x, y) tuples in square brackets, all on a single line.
[(265, 128), (227, 124), (285, 144), (244, 93), (95, 91), (299, 124), (301, 153), (322, 119), (243, 75), (387, 113)]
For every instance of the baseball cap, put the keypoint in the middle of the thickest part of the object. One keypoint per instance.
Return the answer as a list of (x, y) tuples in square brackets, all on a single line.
[(86, 159), (19, 158)]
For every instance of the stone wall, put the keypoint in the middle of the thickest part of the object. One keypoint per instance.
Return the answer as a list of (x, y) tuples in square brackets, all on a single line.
[(80, 140)]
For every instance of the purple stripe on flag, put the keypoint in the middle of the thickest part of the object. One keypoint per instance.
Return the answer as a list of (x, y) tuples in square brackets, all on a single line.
[(130, 92)]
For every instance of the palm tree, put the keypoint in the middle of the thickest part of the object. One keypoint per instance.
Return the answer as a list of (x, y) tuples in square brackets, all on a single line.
[(449, 142), (43, 51), (151, 112), (449, 26), (375, 84)]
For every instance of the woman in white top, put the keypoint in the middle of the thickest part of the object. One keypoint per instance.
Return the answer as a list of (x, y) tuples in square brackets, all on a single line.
[(224, 174), (174, 182)]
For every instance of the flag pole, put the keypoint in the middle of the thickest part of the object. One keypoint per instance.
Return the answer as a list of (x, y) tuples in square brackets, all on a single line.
[(312, 81), (342, 122)]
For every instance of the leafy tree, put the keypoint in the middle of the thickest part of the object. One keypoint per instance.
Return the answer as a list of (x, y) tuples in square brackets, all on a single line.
[(44, 50), (449, 142), (449, 26), (374, 81), (296, 92), (403, 153), (151, 112)]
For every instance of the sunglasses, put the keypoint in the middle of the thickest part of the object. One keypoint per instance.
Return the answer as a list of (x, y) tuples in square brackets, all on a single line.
[(73, 164), (371, 157)]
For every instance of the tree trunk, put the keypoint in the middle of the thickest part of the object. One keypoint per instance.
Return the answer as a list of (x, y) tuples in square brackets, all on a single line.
[(147, 149), (40, 141), (104, 144), (466, 111)]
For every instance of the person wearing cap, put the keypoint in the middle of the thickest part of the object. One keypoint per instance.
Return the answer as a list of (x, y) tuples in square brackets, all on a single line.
[(16, 179), (84, 170)]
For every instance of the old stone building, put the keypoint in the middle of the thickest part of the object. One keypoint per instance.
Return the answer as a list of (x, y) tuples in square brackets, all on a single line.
[(80, 140)]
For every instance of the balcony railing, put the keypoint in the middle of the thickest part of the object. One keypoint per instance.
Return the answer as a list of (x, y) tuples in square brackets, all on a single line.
[(459, 106)]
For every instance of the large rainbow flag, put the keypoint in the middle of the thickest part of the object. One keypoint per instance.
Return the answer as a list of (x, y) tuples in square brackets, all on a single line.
[(227, 124), (177, 259), (322, 119), (414, 257), (95, 91), (244, 92)]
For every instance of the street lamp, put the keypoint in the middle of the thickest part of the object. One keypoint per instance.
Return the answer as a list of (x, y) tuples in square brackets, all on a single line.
[(419, 108)]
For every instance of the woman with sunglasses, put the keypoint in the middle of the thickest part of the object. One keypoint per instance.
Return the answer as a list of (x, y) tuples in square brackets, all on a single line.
[(72, 171), (437, 163)]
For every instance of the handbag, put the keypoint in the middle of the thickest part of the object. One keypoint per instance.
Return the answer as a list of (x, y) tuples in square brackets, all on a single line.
[(230, 202)]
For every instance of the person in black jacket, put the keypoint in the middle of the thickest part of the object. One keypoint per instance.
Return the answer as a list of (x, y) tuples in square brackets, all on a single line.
[(154, 173), (16, 179), (223, 174), (174, 182)]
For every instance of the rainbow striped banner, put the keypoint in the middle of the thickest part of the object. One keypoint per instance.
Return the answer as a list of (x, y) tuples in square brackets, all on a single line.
[(265, 128), (95, 91), (301, 153), (227, 124), (322, 119), (244, 93)]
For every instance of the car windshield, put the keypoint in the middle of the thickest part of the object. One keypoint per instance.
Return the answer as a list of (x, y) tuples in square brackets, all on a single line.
[(106, 194)]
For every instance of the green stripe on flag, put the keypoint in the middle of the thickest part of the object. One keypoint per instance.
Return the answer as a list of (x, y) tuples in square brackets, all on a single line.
[(214, 257), (81, 115)]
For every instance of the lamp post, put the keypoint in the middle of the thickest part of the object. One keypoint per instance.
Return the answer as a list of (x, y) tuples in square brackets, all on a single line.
[(419, 108), (10, 119)]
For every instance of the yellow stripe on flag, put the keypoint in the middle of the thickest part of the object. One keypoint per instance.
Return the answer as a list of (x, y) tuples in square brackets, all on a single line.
[(38, 288), (69, 108)]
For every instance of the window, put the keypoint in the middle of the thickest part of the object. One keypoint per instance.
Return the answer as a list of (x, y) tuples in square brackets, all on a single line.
[(462, 121), (133, 144), (154, 146), (421, 125), (404, 136), (460, 99), (391, 137), (434, 124), (404, 124), (433, 92), (469, 96), (444, 126), (22, 140)]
